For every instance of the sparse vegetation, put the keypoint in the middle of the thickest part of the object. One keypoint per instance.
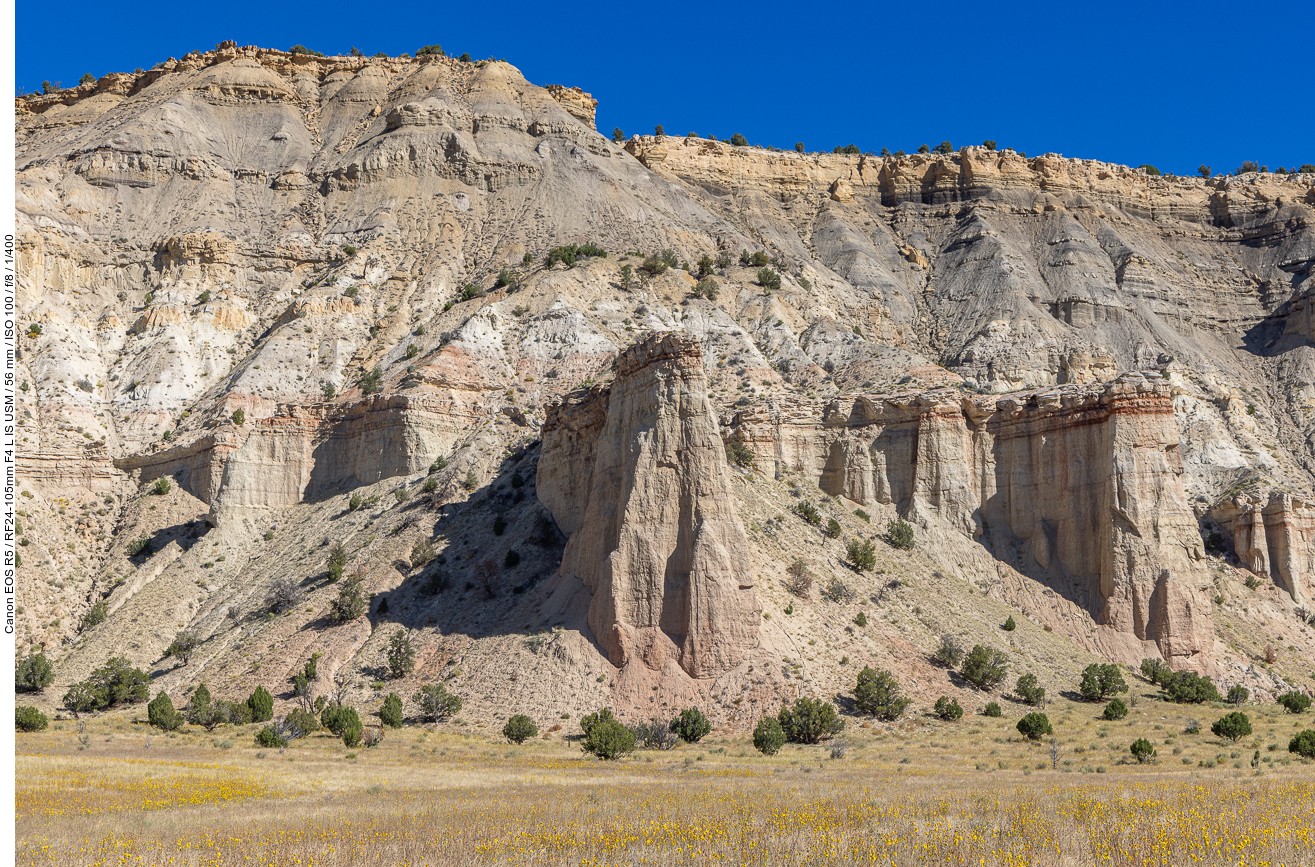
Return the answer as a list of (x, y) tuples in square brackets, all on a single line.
[(949, 652), (738, 453), (947, 709), (401, 655), (436, 703)]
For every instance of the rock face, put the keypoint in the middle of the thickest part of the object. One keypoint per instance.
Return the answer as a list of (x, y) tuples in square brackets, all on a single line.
[(1078, 486), (636, 476), (1275, 540)]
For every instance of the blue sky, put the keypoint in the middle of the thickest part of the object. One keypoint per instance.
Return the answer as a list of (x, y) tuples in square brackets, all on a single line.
[(1170, 84)]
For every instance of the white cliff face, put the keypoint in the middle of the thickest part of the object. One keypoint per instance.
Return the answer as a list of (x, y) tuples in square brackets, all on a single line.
[(646, 500), (247, 230)]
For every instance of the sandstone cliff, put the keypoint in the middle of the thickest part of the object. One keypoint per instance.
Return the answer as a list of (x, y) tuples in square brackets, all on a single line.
[(951, 340), (635, 474), (1078, 486)]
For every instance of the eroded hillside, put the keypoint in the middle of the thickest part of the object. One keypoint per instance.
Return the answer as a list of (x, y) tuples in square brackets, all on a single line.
[(291, 284)]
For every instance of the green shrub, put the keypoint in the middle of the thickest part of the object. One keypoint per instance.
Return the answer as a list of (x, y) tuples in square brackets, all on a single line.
[(1238, 695), (1150, 169), (390, 713), (87, 78), (140, 545), (183, 645), (985, 667), (372, 381), (769, 279), (29, 719), (1009, 625), (424, 50), (992, 709), (512, 560), (1035, 726), (120, 683), (832, 529), (1101, 679), (1234, 726), (1116, 709), (948, 709), (239, 417), (809, 721), (201, 711), (1154, 670), (401, 655), (860, 619), (350, 602), (707, 287), (269, 737), (1303, 744), (924, 149), (945, 148), (808, 512), (1295, 702), (691, 725), (768, 736), (618, 136), (799, 147), (605, 737), (519, 729), (862, 554), (949, 652), (33, 673), (261, 704), (436, 703), (84, 697), (161, 714), (738, 454), (1142, 750), (344, 722), (422, 552), (95, 615), (1187, 687), (161, 486), (877, 694), (899, 534), (1030, 691), (851, 149)]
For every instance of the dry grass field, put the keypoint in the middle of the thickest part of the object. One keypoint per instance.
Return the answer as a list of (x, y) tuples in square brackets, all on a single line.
[(919, 791)]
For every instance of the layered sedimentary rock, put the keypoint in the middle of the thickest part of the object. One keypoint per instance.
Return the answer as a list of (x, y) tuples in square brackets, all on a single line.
[(635, 474), (1274, 539), (1077, 485), (307, 452)]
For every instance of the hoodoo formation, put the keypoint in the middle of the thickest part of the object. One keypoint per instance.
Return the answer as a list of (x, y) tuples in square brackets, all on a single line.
[(602, 424)]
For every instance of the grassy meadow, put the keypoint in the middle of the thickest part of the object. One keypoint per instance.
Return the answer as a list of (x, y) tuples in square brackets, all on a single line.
[(919, 791)]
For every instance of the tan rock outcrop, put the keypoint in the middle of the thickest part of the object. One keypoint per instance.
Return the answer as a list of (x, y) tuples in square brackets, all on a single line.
[(1078, 486), (636, 475), (1275, 540)]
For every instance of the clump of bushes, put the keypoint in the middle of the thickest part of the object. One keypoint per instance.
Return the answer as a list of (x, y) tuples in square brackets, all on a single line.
[(1154, 670), (436, 703), (738, 454), (29, 719), (1100, 680), (691, 725), (33, 673), (809, 720), (899, 534), (992, 709), (1233, 726), (1035, 726), (768, 736), (1115, 710), (985, 667), (1188, 687), (1295, 702), (519, 729), (769, 279), (568, 254), (1030, 691), (948, 709), (808, 512), (605, 736), (877, 694), (114, 683), (390, 713), (161, 713), (1142, 750), (862, 554)]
